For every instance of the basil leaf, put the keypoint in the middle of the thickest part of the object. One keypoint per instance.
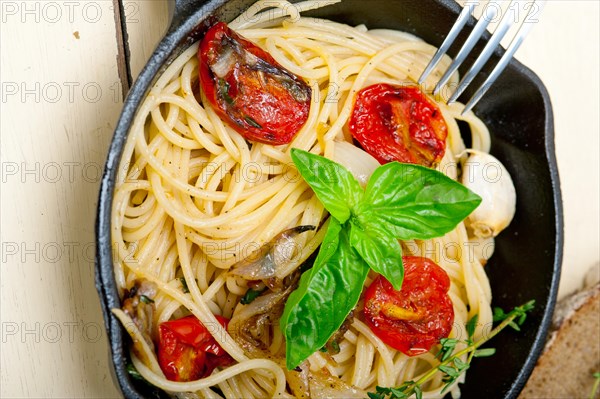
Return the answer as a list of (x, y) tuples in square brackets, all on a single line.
[(326, 295), (381, 252), (414, 202), (132, 371), (334, 185), (328, 248), (251, 295), (329, 245)]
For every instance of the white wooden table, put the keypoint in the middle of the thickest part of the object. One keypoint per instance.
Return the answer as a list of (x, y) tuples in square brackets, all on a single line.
[(61, 96)]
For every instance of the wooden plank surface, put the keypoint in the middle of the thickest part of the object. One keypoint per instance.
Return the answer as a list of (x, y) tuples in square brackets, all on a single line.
[(60, 100), (147, 21)]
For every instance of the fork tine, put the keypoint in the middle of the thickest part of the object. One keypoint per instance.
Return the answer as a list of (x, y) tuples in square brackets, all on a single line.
[(512, 48), (466, 48), (456, 28), (488, 50)]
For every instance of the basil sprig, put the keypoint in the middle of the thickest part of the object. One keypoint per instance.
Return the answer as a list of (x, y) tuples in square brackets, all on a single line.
[(401, 201)]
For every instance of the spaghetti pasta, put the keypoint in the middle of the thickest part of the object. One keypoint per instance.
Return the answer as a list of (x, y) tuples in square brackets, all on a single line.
[(193, 198)]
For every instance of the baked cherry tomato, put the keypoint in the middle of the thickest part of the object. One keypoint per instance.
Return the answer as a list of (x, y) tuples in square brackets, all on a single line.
[(258, 97), (398, 123), (415, 318), (187, 351)]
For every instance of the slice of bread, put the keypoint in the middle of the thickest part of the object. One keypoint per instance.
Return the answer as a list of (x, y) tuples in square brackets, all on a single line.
[(572, 354)]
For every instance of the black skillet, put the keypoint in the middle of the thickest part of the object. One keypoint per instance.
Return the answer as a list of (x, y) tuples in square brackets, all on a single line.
[(517, 110)]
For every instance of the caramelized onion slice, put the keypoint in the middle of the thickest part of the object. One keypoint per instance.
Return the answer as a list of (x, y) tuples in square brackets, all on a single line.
[(358, 162), (263, 263), (298, 380), (138, 304), (323, 385)]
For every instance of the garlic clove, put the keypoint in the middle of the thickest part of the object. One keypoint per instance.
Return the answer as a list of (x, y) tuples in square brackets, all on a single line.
[(486, 176), (264, 262)]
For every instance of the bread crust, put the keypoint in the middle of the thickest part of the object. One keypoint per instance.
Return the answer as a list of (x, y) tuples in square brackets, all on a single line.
[(572, 354)]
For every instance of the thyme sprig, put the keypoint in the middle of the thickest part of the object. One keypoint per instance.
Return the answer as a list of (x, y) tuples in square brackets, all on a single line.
[(596, 384), (451, 363)]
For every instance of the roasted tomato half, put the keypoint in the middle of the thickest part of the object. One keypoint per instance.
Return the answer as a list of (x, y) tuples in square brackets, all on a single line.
[(398, 123), (258, 97), (187, 351), (415, 318)]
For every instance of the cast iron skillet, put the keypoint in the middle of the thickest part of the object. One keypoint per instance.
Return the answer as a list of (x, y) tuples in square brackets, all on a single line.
[(526, 263)]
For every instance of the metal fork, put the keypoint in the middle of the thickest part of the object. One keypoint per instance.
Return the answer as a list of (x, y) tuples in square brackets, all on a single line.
[(506, 22)]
